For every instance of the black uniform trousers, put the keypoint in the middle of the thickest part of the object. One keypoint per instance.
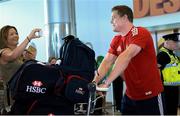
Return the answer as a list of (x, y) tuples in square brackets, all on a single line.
[(171, 99)]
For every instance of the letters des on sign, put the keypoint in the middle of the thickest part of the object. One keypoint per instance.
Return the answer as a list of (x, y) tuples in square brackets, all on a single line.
[(143, 8)]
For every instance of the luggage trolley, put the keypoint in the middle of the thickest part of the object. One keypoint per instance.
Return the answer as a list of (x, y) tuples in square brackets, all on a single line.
[(89, 108)]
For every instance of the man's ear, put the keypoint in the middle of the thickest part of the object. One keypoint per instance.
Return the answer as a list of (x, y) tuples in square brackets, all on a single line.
[(166, 43), (125, 18)]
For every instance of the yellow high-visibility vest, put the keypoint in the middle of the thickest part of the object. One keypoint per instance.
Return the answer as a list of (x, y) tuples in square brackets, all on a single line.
[(171, 72)]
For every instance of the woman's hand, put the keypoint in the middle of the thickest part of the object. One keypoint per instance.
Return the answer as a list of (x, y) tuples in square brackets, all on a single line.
[(33, 34)]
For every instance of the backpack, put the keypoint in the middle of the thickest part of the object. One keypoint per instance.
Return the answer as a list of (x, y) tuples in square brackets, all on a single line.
[(77, 57), (32, 83), (78, 63), (34, 80)]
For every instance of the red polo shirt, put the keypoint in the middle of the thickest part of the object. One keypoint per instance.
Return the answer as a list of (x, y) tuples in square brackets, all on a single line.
[(142, 77)]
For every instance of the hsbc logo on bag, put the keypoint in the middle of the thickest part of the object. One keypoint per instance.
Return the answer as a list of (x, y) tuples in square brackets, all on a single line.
[(80, 91), (33, 89), (37, 83), (36, 88)]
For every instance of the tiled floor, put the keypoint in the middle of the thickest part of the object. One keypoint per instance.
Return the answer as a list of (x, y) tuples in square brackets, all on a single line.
[(109, 110)]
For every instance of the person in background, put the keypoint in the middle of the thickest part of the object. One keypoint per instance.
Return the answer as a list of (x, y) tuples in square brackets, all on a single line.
[(11, 52), (169, 65), (30, 53), (52, 60), (133, 55)]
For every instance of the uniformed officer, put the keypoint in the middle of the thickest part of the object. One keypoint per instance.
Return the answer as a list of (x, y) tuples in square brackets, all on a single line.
[(169, 65)]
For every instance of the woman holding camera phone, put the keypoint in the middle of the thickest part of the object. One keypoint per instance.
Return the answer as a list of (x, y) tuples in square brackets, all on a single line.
[(11, 52)]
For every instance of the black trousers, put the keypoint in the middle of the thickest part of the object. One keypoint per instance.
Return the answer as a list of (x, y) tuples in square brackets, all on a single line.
[(171, 99), (151, 106)]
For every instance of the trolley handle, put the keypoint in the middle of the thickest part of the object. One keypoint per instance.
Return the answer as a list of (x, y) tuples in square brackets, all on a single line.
[(92, 87), (101, 89)]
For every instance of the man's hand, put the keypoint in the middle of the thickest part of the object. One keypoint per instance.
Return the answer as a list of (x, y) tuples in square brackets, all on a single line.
[(102, 89)]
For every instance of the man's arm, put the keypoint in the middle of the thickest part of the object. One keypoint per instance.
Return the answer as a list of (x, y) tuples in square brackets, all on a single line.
[(122, 62), (104, 67)]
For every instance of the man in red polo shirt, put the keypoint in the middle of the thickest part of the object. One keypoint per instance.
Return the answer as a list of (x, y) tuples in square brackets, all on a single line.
[(133, 55)]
